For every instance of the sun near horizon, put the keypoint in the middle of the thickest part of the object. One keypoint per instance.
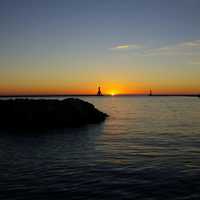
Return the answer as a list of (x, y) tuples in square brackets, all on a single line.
[(92, 90)]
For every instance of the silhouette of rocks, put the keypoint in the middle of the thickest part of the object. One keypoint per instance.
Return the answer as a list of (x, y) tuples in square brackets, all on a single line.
[(29, 113)]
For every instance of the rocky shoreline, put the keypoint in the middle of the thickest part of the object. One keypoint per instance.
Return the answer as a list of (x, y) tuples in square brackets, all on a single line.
[(31, 113)]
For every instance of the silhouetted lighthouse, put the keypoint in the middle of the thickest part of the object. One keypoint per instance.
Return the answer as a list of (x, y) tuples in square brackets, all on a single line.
[(99, 91), (150, 92)]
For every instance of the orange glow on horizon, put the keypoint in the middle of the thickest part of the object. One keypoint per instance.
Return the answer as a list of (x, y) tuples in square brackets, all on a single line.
[(114, 92), (91, 89)]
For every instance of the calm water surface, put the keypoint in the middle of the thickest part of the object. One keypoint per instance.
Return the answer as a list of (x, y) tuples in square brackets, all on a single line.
[(149, 148)]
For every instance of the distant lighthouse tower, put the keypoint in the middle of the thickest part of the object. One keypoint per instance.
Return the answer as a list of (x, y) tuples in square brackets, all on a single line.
[(99, 92), (150, 92)]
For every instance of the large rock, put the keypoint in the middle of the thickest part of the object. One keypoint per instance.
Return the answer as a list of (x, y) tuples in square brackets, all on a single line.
[(29, 113)]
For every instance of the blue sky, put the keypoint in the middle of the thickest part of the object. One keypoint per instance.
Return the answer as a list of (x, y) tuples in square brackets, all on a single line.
[(77, 44)]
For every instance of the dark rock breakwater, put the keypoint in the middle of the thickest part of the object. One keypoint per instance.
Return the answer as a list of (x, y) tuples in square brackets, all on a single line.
[(30, 113)]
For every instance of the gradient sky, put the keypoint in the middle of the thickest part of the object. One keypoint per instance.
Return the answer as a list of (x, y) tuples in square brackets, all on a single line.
[(126, 46)]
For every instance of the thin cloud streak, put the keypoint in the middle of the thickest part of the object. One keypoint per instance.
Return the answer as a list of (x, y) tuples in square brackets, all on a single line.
[(194, 63), (122, 47), (186, 48), (195, 43), (127, 47)]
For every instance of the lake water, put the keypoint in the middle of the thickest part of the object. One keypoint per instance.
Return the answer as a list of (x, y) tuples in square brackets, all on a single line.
[(149, 148)]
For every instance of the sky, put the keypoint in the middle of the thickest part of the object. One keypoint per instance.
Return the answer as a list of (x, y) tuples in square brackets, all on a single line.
[(125, 46)]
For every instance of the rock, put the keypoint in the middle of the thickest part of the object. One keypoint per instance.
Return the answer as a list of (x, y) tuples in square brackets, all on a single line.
[(29, 113)]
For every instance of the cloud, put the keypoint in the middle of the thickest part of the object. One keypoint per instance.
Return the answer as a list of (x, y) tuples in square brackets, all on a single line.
[(195, 44), (185, 48), (126, 46), (121, 47), (194, 63)]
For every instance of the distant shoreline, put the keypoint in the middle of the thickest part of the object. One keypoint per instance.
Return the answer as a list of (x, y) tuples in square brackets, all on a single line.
[(91, 95)]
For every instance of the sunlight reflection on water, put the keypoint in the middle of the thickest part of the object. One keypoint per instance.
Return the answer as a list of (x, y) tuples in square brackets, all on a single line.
[(148, 148)]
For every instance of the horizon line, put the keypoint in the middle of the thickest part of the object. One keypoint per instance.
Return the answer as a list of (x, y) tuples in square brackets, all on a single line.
[(93, 95)]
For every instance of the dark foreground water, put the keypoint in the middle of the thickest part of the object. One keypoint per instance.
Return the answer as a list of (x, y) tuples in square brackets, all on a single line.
[(149, 148)]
